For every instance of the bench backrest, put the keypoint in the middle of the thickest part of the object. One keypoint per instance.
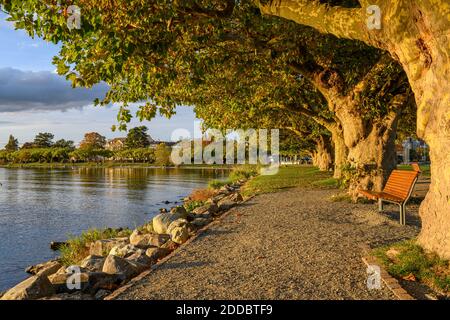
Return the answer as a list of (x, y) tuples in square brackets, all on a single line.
[(416, 167), (400, 183)]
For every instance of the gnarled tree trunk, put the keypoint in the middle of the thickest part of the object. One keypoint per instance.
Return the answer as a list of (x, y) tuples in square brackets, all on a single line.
[(340, 152), (322, 157), (372, 157)]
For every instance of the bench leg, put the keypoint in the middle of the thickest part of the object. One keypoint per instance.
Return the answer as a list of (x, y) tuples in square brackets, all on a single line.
[(380, 205), (402, 214)]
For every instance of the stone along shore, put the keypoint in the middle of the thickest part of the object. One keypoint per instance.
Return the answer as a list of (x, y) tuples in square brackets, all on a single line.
[(113, 262)]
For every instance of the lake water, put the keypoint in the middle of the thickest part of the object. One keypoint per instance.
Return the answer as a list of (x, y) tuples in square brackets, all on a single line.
[(38, 206)]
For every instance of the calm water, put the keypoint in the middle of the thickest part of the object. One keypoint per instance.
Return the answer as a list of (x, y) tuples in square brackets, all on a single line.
[(38, 206)]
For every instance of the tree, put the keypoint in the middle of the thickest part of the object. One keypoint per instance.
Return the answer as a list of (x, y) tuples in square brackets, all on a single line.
[(27, 145), (179, 41), (43, 140), (12, 144), (67, 144), (162, 155), (93, 140), (415, 34), (137, 138)]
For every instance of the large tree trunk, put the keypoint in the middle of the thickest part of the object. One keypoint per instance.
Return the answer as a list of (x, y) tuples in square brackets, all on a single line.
[(434, 125), (372, 158), (340, 152), (416, 33), (322, 157)]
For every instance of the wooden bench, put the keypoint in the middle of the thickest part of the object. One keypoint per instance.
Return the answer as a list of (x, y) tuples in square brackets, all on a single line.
[(398, 190), (416, 167)]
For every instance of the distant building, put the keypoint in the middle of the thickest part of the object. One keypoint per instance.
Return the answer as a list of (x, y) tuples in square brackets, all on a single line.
[(412, 150), (115, 144), (154, 144)]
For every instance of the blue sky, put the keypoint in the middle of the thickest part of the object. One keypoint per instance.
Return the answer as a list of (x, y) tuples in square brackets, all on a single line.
[(34, 99)]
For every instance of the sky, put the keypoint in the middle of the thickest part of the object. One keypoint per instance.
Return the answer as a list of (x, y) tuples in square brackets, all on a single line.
[(33, 98)]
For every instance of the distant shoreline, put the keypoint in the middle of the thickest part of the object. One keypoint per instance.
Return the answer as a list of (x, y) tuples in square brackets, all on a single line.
[(111, 165)]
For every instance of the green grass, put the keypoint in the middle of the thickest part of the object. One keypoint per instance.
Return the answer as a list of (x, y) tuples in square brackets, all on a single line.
[(289, 177), (77, 247), (217, 184), (424, 167), (192, 205), (427, 268)]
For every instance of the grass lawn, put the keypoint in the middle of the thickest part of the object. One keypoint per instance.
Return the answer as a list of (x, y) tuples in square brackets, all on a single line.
[(424, 167), (289, 177)]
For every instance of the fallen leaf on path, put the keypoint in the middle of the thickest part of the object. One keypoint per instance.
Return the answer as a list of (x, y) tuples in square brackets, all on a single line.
[(409, 277)]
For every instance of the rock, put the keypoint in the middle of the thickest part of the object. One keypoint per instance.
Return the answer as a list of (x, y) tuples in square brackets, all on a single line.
[(69, 296), (120, 266), (236, 197), (180, 210), (178, 230), (140, 258), (101, 294), (89, 282), (226, 204), (45, 269), (162, 210), (170, 245), (162, 221), (201, 222), (123, 234), (123, 250), (93, 263), (156, 254), (55, 245), (103, 247), (32, 288), (216, 198), (149, 227), (208, 208), (141, 239), (166, 202)]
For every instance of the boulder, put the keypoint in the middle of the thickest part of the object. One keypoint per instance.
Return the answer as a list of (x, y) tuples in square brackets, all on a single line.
[(93, 263), (149, 227), (69, 296), (103, 247), (156, 254), (236, 197), (216, 198), (123, 250), (32, 288), (45, 269), (162, 221), (88, 282), (207, 208), (226, 204), (140, 239), (180, 210), (140, 258), (170, 245), (178, 230), (120, 266), (101, 294)]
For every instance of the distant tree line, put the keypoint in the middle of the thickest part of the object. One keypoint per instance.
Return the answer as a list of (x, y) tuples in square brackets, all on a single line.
[(93, 148)]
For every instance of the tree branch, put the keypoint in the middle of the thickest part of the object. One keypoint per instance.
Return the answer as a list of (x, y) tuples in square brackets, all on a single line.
[(349, 23), (197, 10)]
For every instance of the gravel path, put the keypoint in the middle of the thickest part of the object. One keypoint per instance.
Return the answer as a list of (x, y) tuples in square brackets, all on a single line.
[(294, 244)]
